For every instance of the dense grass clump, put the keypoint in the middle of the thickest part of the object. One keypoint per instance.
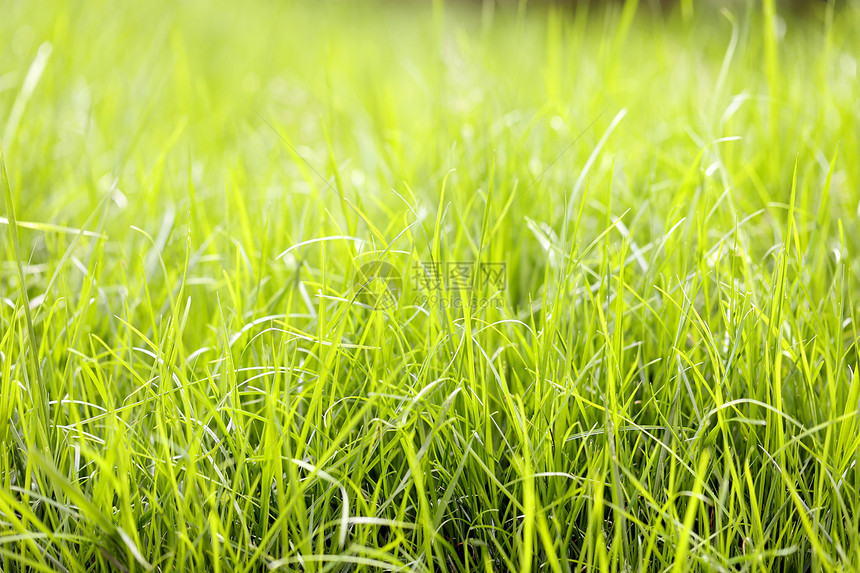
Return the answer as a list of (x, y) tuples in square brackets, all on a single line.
[(231, 338)]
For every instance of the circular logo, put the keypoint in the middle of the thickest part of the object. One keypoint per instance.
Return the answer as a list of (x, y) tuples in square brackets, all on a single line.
[(378, 285)]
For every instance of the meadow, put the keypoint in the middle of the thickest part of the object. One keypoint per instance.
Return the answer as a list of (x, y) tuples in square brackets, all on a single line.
[(429, 286)]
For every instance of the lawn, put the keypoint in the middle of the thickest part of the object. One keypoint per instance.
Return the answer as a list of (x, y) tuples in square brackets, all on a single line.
[(429, 286)]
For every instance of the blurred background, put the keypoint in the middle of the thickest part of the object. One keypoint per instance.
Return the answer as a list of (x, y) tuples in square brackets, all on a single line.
[(178, 107)]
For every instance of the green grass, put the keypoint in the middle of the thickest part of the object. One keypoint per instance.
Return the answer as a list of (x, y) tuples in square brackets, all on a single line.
[(192, 379)]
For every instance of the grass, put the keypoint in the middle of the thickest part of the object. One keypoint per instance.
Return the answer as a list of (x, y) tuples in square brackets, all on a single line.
[(195, 374)]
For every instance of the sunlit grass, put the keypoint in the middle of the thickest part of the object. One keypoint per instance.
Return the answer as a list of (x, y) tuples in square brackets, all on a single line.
[(192, 379)]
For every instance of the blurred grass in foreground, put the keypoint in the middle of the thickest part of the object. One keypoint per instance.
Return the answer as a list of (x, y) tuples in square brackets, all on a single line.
[(189, 380)]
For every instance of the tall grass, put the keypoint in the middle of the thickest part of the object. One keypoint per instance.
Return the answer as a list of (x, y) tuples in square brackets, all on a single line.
[(192, 378)]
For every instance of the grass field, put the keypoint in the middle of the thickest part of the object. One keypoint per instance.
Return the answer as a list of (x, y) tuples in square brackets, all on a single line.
[(354, 286)]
